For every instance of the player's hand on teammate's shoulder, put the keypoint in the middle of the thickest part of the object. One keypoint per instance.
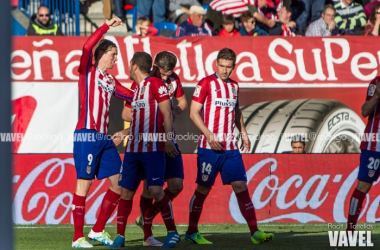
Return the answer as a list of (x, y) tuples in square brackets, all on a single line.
[(113, 22), (170, 149)]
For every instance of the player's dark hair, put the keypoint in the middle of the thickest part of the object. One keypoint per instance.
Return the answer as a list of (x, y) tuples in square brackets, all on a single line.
[(287, 8), (228, 19), (246, 16), (165, 60), (143, 60), (298, 138), (103, 45), (227, 54)]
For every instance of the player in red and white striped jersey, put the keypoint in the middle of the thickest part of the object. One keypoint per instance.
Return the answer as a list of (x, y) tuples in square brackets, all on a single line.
[(216, 96), (369, 170), (163, 67), (95, 155), (145, 156)]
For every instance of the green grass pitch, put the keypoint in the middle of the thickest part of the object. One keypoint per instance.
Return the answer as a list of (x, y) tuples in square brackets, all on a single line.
[(224, 236)]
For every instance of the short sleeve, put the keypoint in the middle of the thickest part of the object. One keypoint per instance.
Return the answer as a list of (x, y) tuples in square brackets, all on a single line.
[(372, 88), (179, 91), (158, 90), (201, 91), (133, 89)]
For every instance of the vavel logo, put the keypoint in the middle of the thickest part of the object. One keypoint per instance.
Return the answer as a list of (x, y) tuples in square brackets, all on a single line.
[(350, 239)]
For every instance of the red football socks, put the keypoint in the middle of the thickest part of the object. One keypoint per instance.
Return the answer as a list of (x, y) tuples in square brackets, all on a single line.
[(108, 205), (247, 210), (356, 203), (146, 207), (196, 205), (78, 210), (165, 206), (171, 196), (123, 211)]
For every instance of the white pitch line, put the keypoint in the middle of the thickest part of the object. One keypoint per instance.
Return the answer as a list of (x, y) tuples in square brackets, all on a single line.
[(185, 225)]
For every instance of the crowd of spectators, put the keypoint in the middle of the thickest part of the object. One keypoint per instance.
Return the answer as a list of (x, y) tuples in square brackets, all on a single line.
[(273, 17), (249, 17)]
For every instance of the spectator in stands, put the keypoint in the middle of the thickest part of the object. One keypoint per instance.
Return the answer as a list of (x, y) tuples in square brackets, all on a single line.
[(249, 27), (266, 9), (41, 24), (284, 27), (118, 8), (350, 17), (179, 10), (143, 27), (156, 7), (310, 10), (298, 144), (372, 27), (228, 23), (325, 25), (195, 25), (107, 8), (368, 7)]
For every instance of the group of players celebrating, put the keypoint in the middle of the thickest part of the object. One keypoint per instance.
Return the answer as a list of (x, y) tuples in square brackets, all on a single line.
[(149, 107)]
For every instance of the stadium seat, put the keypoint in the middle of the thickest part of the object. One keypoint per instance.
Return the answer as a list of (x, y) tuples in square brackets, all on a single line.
[(206, 6), (166, 29), (130, 10)]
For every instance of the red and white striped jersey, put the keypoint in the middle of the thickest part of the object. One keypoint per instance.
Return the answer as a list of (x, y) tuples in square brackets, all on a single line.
[(146, 117), (219, 101), (173, 83), (96, 89), (370, 138), (231, 7)]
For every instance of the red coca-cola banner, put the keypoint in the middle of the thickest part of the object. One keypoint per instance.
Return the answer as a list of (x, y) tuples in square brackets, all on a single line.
[(284, 188), (262, 60)]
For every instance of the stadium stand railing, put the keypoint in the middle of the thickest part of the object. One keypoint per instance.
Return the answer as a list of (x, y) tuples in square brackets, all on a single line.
[(65, 13)]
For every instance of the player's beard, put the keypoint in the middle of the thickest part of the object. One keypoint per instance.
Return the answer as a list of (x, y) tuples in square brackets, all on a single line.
[(131, 75)]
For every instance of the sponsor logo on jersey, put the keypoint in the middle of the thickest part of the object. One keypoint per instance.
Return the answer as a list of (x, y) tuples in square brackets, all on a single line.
[(224, 102), (371, 89), (163, 91), (139, 104), (197, 91), (106, 87)]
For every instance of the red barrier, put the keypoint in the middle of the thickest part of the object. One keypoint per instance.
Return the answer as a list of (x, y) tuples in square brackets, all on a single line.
[(259, 59), (284, 188)]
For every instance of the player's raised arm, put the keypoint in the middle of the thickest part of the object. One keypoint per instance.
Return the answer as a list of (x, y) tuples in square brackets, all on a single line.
[(122, 92), (86, 59), (373, 96)]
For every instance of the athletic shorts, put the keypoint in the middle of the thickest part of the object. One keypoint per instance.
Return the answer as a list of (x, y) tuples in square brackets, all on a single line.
[(228, 163), (369, 166), (95, 154), (174, 166), (139, 166)]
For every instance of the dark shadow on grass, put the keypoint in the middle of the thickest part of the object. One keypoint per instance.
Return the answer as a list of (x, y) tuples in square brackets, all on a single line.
[(233, 241)]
